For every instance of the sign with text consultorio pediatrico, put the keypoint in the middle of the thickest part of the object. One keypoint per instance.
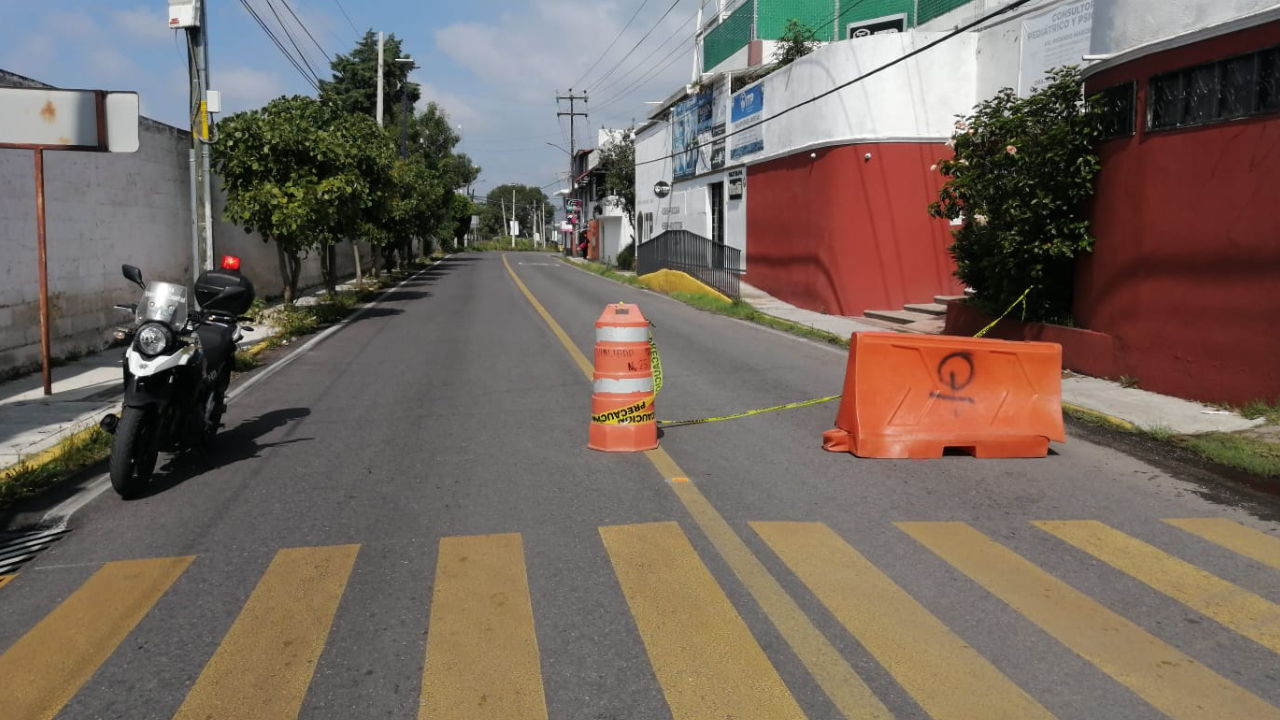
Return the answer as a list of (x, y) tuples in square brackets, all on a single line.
[(747, 110)]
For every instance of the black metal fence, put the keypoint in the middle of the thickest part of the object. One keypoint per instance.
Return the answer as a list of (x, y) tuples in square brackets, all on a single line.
[(715, 264)]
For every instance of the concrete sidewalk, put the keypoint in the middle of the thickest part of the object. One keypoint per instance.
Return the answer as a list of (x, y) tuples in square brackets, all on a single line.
[(1136, 407)]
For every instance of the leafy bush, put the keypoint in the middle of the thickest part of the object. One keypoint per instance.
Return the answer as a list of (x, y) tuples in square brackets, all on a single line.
[(627, 257), (1021, 175)]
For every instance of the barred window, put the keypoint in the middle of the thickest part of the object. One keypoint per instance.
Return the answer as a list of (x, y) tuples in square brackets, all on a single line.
[(1119, 110), (1237, 87)]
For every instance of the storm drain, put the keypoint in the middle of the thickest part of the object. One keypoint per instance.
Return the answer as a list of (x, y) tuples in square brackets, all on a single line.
[(18, 549)]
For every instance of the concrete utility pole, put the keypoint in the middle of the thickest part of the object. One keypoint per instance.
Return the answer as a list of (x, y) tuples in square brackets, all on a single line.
[(572, 148), (194, 20), (381, 61)]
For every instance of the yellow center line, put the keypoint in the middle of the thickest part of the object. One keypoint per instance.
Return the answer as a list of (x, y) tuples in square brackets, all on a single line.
[(263, 666), (47, 667), (1248, 614), (1167, 678), (847, 691), (4, 579), (482, 651), (1235, 537)]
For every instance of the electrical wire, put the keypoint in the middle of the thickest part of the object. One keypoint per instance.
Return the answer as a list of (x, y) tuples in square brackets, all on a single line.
[(303, 25), (616, 38), (640, 64), (637, 84), (301, 55), (348, 17), (280, 45), (633, 47), (875, 71)]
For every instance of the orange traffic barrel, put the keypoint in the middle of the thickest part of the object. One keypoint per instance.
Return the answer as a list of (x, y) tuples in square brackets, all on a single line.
[(622, 401), (915, 396)]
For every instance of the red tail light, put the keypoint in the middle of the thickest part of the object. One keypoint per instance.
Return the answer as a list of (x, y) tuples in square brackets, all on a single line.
[(230, 262)]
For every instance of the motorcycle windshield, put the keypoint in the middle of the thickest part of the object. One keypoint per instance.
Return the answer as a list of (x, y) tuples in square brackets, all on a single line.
[(164, 302)]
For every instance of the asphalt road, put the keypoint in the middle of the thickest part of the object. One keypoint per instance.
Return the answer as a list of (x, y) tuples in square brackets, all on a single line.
[(405, 522)]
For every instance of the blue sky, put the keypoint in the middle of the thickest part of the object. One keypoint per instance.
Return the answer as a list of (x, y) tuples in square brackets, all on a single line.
[(494, 65)]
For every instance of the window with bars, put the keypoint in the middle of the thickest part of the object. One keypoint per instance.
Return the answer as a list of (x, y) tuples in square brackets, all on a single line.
[(1119, 110), (1237, 87)]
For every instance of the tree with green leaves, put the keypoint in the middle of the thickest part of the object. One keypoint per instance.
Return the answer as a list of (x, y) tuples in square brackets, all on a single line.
[(354, 87), (797, 40), (618, 162), (1021, 178), (303, 175), (527, 201)]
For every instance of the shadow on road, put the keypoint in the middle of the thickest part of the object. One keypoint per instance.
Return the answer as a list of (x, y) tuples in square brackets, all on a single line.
[(229, 447)]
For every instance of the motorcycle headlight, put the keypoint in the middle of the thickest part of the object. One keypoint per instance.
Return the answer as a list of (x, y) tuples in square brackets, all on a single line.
[(153, 338)]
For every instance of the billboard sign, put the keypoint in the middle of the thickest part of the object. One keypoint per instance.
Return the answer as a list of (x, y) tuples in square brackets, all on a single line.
[(747, 110)]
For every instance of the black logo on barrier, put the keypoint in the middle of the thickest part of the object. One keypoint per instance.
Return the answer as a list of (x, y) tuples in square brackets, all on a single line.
[(956, 371)]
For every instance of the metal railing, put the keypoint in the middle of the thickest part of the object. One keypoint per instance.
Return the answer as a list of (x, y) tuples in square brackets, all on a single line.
[(715, 264)]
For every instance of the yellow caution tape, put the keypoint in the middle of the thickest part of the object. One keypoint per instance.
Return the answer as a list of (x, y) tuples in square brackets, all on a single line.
[(1020, 301), (632, 414), (748, 413), (655, 361)]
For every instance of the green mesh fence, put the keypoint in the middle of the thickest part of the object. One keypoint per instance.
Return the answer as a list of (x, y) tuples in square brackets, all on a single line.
[(728, 37), (930, 9), (816, 15)]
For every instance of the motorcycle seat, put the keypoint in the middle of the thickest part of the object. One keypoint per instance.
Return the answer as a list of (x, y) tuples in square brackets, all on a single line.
[(216, 340)]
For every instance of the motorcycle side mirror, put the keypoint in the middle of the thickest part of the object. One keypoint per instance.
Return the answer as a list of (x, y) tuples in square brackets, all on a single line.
[(133, 275)]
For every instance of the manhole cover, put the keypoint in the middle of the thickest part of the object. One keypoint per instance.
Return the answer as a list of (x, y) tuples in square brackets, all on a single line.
[(18, 549)]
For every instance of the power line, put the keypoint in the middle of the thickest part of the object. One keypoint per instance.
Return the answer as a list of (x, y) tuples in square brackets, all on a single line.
[(875, 71), (636, 84), (301, 55), (348, 17), (279, 45), (303, 25), (633, 47), (611, 44), (622, 78)]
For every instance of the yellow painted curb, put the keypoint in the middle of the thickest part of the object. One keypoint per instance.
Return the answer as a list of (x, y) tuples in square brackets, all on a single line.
[(51, 453), (670, 281), (258, 348), (1101, 417)]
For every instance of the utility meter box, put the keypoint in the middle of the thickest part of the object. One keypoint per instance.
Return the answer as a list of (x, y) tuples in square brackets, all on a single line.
[(184, 13)]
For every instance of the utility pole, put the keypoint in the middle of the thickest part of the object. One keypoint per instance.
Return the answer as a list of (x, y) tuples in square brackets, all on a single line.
[(381, 61), (513, 216), (194, 20), (572, 148)]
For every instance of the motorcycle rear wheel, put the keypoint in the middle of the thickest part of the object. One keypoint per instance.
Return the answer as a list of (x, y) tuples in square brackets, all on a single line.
[(134, 451)]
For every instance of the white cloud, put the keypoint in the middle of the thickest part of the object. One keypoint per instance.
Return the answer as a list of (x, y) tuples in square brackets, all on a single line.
[(110, 64), (143, 23), (460, 111), (246, 88), (74, 25)]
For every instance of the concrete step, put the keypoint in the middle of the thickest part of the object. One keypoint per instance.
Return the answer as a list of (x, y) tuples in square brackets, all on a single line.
[(901, 317), (944, 299), (927, 308)]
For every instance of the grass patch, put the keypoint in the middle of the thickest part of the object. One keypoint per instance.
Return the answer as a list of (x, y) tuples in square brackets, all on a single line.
[(504, 245), (1262, 409), (1241, 452), (62, 461)]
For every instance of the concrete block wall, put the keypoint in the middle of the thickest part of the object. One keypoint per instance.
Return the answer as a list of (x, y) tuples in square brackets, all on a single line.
[(103, 210)]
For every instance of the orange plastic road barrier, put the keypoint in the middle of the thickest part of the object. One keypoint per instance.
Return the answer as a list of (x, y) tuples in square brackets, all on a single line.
[(622, 404), (914, 396)]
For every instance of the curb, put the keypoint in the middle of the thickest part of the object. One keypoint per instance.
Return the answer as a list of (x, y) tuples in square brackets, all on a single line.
[(1100, 417)]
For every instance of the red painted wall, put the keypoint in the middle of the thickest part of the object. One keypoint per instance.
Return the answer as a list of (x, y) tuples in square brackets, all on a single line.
[(842, 235), (1186, 271)]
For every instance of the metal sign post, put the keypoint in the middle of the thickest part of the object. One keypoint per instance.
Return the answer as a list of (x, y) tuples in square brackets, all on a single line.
[(40, 119)]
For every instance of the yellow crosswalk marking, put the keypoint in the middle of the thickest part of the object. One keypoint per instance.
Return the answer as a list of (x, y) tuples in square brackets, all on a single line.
[(1168, 679), (4, 579), (48, 665), (1248, 614), (1235, 537), (930, 661), (263, 667), (482, 653), (705, 658)]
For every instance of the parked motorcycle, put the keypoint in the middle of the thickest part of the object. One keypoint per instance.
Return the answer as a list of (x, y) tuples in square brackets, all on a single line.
[(176, 372)]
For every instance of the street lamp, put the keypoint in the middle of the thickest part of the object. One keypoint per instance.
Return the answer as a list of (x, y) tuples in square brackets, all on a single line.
[(566, 152), (404, 106)]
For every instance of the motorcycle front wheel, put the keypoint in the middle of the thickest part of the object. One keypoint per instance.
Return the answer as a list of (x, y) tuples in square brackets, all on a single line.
[(134, 450)]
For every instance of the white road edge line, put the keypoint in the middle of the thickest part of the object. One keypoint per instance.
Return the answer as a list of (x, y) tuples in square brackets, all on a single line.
[(58, 516)]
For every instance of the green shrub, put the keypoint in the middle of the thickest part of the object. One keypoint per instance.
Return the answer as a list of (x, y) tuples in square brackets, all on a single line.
[(627, 257), (1022, 174)]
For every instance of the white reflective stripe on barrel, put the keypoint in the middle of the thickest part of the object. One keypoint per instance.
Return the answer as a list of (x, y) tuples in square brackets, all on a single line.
[(624, 386), (622, 334)]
